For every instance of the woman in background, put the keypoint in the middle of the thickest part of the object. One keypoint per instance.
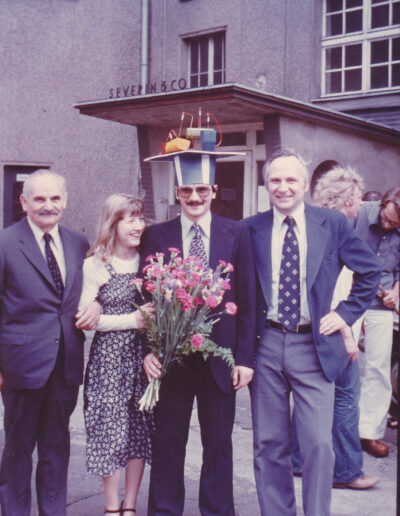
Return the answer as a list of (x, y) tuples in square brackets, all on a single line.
[(118, 433)]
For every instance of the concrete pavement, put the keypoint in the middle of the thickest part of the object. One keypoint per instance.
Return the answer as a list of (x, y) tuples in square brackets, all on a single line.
[(85, 494)]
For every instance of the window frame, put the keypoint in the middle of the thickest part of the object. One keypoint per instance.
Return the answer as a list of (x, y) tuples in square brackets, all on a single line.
[(210, 37), (365, 37)]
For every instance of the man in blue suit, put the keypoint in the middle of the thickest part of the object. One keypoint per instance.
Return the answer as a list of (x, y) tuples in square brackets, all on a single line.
[(211, 382), (299, 251), (41, 350)]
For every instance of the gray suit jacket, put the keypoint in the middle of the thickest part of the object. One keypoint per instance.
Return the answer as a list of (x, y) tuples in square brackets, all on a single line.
[(32, 316)]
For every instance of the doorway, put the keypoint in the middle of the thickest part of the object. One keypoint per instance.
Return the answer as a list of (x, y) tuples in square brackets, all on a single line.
[(229, 176)]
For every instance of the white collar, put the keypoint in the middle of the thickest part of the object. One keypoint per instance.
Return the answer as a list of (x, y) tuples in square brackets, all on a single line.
[(297, 214), (204, 222), (38, 233)]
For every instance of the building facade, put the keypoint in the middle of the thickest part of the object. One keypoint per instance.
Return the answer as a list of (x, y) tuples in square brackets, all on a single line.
[(92, 87)]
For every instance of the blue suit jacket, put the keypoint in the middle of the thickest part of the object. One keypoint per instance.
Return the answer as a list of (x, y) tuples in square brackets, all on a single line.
[(229, 241), (331, 243), (32, 316)]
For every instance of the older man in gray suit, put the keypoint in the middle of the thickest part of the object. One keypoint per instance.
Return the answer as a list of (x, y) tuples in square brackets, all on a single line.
[(41, 350), (299, 251)]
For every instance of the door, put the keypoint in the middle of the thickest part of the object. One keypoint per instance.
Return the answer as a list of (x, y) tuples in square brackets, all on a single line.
[(14, 177), (229, 177)]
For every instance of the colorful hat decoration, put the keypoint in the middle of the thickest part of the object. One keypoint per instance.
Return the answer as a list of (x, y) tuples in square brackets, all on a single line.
[(194, 165)]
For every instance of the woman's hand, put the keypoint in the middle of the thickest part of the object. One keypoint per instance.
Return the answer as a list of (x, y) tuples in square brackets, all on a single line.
[(152, 366), (88, 317), (349, 342), (146, 309)]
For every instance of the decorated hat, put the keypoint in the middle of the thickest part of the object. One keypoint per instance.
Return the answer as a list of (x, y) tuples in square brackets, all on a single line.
[(194, 165)]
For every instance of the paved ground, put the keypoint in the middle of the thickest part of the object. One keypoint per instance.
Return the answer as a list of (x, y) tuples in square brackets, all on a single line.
[(86, 497)]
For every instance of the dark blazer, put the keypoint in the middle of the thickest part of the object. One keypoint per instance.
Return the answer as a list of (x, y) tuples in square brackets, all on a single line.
[(331, 243), (229, 241), (32, 316)]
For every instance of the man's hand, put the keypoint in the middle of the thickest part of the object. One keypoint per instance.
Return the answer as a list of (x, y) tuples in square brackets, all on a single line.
[(330, 323), (390, 298), (1, 381), (241, 376), (152, 366), (88, 317)]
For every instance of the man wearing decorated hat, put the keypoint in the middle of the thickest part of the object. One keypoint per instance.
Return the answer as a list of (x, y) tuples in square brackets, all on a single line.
[(212, 238)]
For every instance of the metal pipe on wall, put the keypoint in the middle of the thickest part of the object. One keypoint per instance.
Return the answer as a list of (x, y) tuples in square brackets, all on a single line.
[(144, 59)]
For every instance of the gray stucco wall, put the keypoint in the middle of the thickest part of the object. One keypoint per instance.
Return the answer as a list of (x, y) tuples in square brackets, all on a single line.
[(378, 163), (53, 54)]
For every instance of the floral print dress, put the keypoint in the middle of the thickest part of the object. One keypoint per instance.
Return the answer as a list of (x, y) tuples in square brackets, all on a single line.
[(114, 383)]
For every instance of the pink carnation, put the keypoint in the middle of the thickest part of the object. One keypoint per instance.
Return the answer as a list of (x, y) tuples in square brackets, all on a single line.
[(173, 250), (150, 286), (211, 301), (197, 340), (230, 308), (137, 282)]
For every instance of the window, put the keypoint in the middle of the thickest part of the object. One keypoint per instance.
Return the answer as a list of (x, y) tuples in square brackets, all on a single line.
[(384, 13), (207, 60), (343, 16), (360, 46)]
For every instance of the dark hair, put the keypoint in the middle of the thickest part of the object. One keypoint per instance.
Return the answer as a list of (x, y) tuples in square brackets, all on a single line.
[(372, 195), (392, 195), (322, 168)]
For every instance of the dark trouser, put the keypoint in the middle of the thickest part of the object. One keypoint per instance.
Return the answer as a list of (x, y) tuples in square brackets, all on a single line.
[(216, 411), (37, 417)]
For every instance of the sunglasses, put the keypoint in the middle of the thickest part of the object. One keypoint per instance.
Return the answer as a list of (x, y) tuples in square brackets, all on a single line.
[(202, 191)]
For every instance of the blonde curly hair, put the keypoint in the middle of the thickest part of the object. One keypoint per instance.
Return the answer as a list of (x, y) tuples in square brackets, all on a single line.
[(337, 187)]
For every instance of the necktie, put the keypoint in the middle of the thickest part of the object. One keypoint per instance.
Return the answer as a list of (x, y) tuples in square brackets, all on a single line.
[(289, 279), (197, 246), (53, 265)]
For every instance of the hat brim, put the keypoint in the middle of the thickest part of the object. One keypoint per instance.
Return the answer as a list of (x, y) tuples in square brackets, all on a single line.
[(193, 152)]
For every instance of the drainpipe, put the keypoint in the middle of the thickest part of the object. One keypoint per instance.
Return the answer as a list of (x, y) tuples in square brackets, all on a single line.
[(144, 59), (144, 178)]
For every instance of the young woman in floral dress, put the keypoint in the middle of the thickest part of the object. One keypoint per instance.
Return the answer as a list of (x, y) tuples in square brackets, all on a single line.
[(118, 433)]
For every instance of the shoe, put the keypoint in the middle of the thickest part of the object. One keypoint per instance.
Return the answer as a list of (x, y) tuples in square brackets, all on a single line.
[(364, 482), (375, 448), (297, 473), (392, 423), (125, 509)]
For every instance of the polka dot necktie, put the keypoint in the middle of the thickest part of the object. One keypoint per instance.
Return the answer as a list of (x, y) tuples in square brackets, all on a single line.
[(197, 246), (289, 279), (53, 265)]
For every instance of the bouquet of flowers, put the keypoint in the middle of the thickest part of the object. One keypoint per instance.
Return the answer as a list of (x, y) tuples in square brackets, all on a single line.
[(184, 294)]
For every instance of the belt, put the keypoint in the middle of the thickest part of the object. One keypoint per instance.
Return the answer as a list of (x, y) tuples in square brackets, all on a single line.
[(300, 328)]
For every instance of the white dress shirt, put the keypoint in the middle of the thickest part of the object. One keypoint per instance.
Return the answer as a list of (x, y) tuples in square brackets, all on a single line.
[(187, 233), (278, 235), (55, 245)]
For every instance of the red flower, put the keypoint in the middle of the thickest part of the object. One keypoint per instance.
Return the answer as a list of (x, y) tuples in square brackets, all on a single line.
[(150, 257), (197, 340), (173, 250), (230, 308)]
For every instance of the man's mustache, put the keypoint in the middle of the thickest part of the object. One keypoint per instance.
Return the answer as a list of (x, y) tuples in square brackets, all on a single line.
[(195, 203), (48, 212)]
